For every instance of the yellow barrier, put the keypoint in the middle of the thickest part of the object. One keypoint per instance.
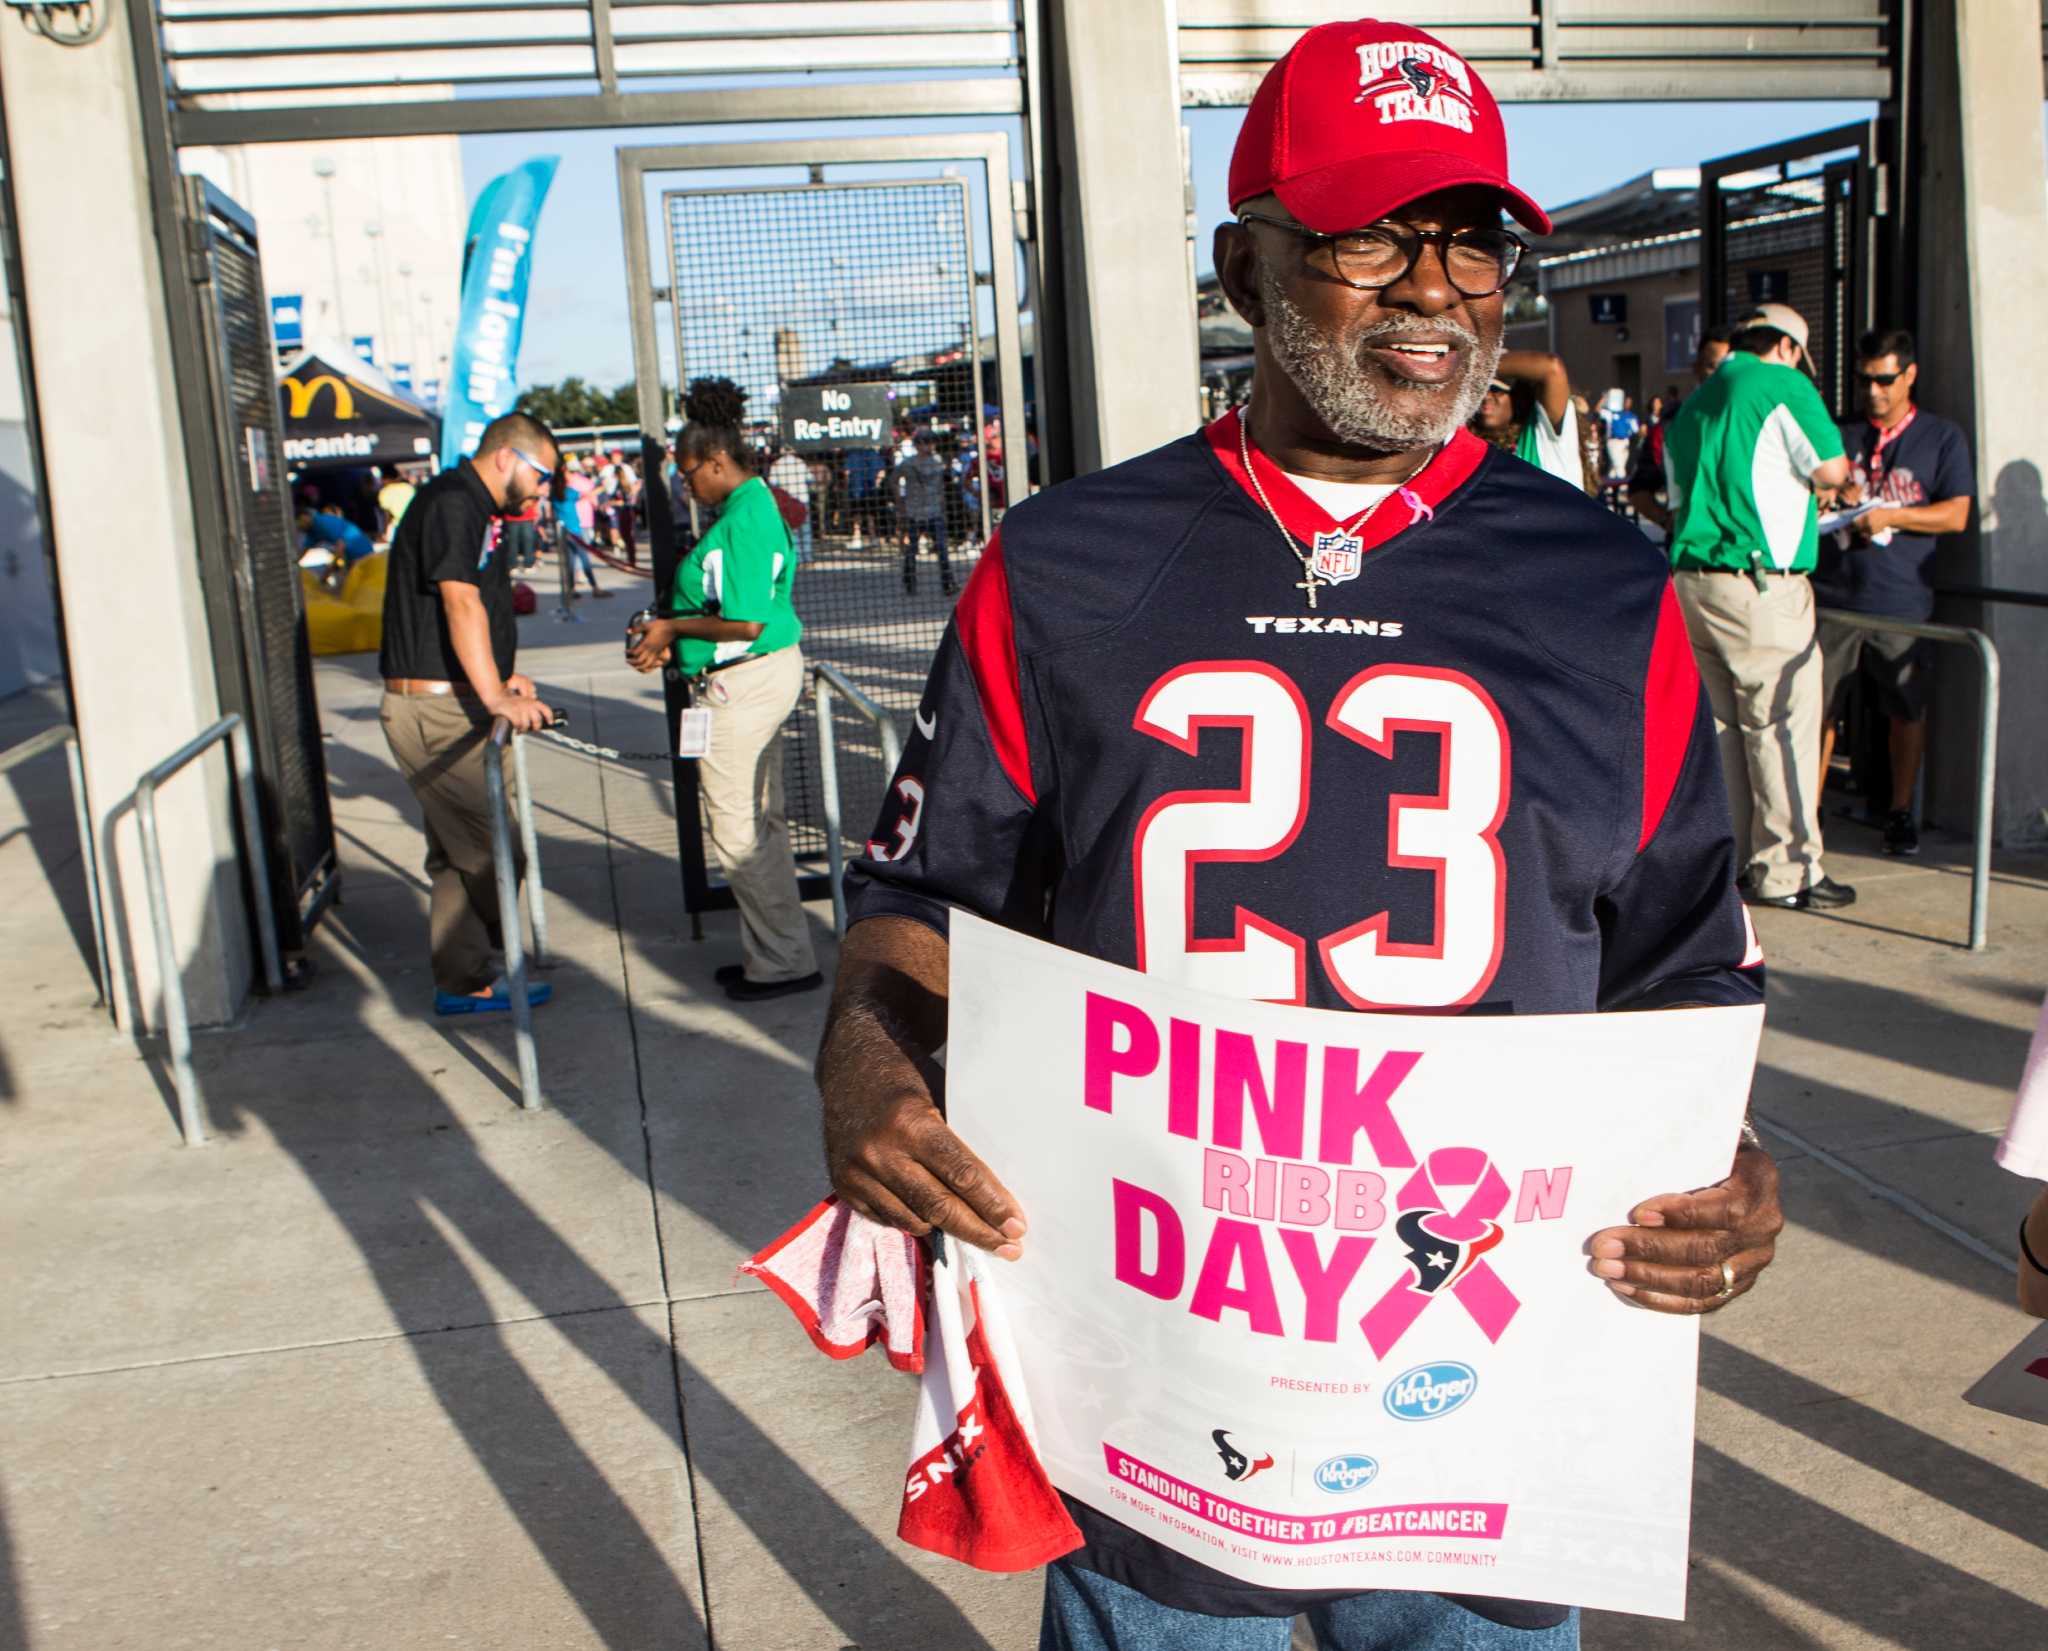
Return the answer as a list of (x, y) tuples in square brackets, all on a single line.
[(353, 621)]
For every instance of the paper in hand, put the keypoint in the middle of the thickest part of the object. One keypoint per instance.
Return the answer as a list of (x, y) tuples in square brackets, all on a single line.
[(2017, 1385), (1832, 520)]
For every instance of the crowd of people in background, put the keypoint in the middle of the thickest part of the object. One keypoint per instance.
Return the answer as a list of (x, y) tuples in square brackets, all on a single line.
[(1771, 512), (1775, 516)]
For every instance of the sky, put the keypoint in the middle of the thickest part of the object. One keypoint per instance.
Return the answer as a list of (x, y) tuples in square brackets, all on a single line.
[(577, 317)]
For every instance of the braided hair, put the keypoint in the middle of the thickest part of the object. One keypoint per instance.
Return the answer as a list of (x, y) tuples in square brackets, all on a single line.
[(715, 409)]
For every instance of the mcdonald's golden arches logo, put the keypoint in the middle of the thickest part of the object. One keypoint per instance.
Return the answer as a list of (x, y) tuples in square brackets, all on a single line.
[(302, 394)]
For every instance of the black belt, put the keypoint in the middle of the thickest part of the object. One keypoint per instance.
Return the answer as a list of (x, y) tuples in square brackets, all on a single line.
[(728, 664)]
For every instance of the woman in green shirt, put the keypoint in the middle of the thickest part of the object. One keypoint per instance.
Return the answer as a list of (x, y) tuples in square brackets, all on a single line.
[(733, 633)]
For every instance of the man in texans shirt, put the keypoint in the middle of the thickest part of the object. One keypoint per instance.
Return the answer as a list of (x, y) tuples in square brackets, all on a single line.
[(1332, 704)]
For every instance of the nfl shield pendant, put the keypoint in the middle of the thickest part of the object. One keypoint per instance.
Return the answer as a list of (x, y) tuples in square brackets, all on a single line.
[(1338, 557)]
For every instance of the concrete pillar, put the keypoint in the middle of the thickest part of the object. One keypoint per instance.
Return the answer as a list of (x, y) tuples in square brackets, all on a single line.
[(1132, 357), (142, 676), (1982, 247)]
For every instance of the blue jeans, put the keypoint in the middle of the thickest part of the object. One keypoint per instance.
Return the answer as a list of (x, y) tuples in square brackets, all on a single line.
[(934, 528), (1087, 1612), (579, 557)]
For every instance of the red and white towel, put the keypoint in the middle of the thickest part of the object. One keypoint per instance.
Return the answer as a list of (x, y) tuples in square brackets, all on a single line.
[(975, 1490)]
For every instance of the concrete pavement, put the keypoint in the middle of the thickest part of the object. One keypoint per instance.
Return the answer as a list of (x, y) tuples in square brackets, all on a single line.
[(390, 1363)]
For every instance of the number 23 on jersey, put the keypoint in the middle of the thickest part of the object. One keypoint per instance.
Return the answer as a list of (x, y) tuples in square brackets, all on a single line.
[(1450, 833)]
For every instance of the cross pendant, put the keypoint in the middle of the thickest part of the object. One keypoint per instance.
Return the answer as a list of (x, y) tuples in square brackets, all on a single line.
[(1309, 584)]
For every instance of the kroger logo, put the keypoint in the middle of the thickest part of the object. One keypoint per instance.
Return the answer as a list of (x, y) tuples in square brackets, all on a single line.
[(1430, 1390), (1347, 1473)]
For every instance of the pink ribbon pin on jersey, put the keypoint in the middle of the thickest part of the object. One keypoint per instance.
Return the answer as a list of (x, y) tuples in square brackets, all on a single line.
[(1478, 1287), (1417, 510)]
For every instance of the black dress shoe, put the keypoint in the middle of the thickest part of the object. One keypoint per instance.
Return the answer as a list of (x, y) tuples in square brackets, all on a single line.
[(1828, 895), (726, 973), (1795, 901), (755, 991)]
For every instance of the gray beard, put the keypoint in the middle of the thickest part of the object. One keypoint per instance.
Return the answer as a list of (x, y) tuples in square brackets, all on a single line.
[(1359, 409)]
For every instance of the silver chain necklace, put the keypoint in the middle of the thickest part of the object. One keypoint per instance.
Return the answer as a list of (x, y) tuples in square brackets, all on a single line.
[(1342, 552)]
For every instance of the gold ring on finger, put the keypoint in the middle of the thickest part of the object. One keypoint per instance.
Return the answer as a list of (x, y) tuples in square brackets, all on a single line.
[(1727, 1279)]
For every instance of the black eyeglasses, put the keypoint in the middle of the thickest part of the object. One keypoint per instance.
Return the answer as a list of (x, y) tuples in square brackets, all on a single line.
[(1478, 262), (1886, 379)]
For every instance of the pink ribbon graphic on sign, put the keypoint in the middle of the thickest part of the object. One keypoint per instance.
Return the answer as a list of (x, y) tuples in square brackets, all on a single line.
[(1451, 1244)]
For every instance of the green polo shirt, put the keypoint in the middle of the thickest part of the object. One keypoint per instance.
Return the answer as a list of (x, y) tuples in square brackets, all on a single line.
[(742, 569), (1737, 459)]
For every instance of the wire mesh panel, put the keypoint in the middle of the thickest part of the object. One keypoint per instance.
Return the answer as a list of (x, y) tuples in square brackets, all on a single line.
[(280, 703), (847, 312), (1795, 232)]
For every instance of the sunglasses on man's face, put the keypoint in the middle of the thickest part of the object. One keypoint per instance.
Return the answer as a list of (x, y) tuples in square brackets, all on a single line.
[(532, 464), (1885, 379)]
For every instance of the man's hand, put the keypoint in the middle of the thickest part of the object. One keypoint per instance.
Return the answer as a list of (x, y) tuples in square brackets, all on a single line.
[(650, 645), (1670, 1260), (1874, 522), (525, 712), (888, 1149), (893, 1158), (522, 686)]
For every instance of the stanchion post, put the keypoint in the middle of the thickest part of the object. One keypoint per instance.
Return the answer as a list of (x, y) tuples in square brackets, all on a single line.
[(1987, 784), (529, 842), (828, 778), (177, 1028), (177, 1022), (1987, 744), (508, 913)]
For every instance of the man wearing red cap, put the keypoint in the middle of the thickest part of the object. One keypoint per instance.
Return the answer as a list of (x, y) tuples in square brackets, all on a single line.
[(1332, 703)]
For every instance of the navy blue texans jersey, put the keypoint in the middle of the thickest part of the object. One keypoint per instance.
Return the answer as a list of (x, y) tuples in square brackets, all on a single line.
[(1479, 775)]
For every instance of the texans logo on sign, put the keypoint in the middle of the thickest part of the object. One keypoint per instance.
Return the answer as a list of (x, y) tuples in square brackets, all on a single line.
[(1237, 1466), (1338, 557), (1440, 1261)]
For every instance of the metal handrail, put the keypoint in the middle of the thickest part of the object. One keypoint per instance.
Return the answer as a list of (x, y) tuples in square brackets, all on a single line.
[(14, 756), (826, 681), (1994, 593), (508, 896), (1987, 741), (177, 1023)]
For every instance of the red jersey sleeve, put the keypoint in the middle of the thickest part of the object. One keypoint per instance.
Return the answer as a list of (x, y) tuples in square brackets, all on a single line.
[(961, 824), (1673, 928)]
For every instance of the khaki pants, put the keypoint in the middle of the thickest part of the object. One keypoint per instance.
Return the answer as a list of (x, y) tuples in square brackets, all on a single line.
[(741, 781), (438, 744), (1762, 668)]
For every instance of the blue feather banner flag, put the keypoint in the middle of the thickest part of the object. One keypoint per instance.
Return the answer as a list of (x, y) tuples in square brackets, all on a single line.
[(497, 254)]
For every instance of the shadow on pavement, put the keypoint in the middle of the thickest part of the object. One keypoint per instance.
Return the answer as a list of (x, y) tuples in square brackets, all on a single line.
[(13, 1630), (594, 1543)]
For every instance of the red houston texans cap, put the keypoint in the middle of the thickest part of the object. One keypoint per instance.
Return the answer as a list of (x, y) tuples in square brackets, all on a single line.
[(1359, 119)]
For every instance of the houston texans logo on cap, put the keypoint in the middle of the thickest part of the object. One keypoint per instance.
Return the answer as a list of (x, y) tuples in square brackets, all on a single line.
[(1359, 119), (1418, 74), (1413, 81), (1440, 1262)]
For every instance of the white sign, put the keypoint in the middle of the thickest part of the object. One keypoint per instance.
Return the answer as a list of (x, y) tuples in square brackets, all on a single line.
[(2018, 1384), (1305, 1294)]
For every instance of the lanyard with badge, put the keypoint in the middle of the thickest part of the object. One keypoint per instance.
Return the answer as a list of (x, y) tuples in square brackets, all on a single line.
[(1878, 465), (1875, 466), (693, 722)]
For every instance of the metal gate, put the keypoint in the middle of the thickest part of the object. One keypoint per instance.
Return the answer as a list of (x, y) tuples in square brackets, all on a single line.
[(880, 301), (250, 568), (1798, 223)]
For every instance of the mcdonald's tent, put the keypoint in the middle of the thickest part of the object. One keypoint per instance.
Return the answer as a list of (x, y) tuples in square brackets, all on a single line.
[(339, 410)]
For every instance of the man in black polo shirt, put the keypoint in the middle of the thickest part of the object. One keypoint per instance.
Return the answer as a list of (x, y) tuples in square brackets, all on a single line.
[(449, 640), (1914, 467)]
